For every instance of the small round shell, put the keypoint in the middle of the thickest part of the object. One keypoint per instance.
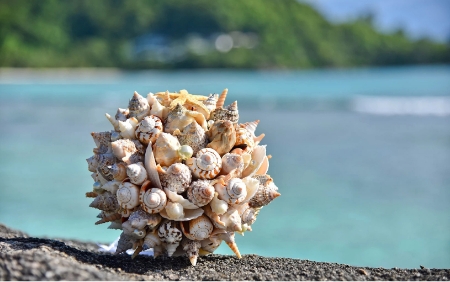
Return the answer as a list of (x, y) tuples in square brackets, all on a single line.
[(177, 178), (234, 192), (206, 165), (230, 162), (200, 192), (153, 200), (169, 232), (149, 129), (197, 229), (128, 195)]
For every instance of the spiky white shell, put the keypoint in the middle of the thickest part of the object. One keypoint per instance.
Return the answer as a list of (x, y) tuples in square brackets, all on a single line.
[(140, 219), (149, 129), (200, 192), (153, 200), (197, 229), (118, 171), (127, 128), (137, 173), (128, 195), (206, 165), (192, 135), (169, 232)]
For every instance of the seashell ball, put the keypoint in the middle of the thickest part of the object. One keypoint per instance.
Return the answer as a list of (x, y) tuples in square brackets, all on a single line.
[(178, 174)]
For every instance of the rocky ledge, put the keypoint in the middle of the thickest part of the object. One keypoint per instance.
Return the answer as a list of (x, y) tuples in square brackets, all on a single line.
[(26, 258)]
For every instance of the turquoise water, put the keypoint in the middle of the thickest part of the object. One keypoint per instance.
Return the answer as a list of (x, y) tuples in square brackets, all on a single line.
[(361, 157)]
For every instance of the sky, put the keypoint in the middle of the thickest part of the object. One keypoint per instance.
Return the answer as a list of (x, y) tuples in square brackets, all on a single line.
[(418, 18)]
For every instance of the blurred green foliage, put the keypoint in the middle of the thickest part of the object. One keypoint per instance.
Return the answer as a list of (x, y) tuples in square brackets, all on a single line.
[(101, 33)]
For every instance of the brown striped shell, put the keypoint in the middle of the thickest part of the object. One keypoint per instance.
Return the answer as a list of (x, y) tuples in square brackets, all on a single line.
[(200, 192), (149, 129), (169, 232), (206, 165)]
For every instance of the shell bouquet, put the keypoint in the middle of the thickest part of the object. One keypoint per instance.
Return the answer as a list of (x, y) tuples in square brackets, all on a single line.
[(179, 174)]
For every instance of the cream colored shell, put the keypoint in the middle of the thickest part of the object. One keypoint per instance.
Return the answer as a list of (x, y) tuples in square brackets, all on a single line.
[(206, 165), (200, 192), (197, 229), (128, 195), (153, 200)]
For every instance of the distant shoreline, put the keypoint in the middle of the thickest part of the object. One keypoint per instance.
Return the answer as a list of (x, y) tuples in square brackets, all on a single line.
[(26, 258)]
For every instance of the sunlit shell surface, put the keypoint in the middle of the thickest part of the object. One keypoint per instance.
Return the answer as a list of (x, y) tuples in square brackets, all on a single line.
[(178, 174)]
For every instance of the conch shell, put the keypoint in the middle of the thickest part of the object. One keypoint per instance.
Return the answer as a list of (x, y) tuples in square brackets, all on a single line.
[(192, 135), (267, 191), (179, 118), (222, 135), (166, 150), (138, 107)]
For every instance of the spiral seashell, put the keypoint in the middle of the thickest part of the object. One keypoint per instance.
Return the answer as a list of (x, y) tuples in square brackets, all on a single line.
[(222, 135), (192, 135), (138, 107), (244, 140), (128, 195), (140, 219), (153, 200), (206, 165), (166, 150), (197, 229), (191, 248), (118, 171), (211, 102), (221, 99), (233, 192), (200, 192), (151, 240), (267, 192), (232, 162), (231, 113), (105, 202), (104, 161), (133, 232), (169, 232), (177, 177), (249, 216), (149, 129), (137, 173), (231, 220)]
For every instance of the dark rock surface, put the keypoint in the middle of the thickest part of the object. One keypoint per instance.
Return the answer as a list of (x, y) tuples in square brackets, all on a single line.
[(26, 258)]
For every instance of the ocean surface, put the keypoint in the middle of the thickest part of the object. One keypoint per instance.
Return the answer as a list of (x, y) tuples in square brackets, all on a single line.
[(361, 156)]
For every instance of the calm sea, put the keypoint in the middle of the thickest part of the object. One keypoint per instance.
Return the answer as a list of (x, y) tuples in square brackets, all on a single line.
[(361, 156)]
